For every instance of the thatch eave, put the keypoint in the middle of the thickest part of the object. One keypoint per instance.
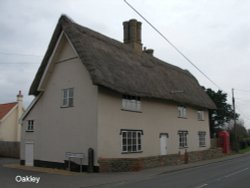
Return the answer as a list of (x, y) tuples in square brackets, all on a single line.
[(116, 66)]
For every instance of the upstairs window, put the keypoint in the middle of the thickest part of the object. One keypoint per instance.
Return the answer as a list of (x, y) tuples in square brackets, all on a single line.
[(68, 97), (182, 112), (200, 116), (131, 103), (131, 141), (30, 127)]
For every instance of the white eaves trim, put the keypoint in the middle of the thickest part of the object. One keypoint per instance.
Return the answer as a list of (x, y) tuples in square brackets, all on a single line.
[(32, 104), (49, 65)]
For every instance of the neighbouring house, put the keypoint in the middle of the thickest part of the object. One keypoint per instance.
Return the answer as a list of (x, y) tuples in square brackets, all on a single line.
[(92, 91), (10, 128)]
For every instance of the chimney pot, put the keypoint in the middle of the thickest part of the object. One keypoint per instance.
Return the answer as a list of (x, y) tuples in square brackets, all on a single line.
[(19, 96), (149, 51)]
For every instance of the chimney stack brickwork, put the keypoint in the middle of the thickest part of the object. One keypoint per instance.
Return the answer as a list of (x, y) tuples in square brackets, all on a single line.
[(132, 34)]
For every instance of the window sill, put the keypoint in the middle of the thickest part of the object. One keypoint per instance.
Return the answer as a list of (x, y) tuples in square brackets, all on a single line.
[(182, 117), (29, 131), (131, 152), (203, 146), (66, 106), (185, 147), (127, 110)]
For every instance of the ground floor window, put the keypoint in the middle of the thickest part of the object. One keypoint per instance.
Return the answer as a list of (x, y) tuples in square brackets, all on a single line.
[(202, 138), (131, 141), (183, 139)]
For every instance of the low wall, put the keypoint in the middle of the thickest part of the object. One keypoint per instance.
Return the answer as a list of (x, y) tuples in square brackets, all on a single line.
[(9, 149), (136, 164)]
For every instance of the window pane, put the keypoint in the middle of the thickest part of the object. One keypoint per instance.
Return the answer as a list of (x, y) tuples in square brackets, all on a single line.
[(65, 93), (129, 148), (124, 148), (131, 141), (71, 92), (124, 141), (70, 102), (139, 147), (129, 134), (134, 135)]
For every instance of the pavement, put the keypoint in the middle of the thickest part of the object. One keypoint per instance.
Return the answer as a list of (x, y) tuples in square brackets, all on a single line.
[(104, 179)]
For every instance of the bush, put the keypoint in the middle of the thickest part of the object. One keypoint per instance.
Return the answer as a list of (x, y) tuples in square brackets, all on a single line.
[(247, 141), (243, 144)]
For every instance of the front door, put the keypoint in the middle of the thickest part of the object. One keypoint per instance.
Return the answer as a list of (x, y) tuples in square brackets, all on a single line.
[(163, 143), (29, 160)]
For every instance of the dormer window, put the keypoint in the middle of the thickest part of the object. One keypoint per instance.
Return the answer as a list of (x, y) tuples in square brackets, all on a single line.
[(131, 103)]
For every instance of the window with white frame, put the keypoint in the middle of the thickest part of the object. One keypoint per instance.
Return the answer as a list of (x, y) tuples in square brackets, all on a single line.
[(202, 138), (200, 115), (182, 112), (183, 139), (131, 141), (68, 97), (30, 126), (131, 103)]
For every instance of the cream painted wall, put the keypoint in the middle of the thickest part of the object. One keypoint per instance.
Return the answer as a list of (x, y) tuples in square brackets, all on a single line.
[(156, 117), (59, 130), (96, 118), (10, 129)]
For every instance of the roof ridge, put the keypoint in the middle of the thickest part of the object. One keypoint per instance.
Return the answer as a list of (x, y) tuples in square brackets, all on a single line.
[(8, 103), (118, 43), (98, 35)]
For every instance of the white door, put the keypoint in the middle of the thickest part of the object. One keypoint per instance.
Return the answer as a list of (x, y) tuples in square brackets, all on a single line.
[(163, 144), (29, 159)]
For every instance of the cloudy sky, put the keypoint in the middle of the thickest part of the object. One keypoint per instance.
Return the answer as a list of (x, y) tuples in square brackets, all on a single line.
[(214, 34)]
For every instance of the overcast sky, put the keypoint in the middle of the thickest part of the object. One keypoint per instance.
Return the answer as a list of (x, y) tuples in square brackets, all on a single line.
[(214, 34)]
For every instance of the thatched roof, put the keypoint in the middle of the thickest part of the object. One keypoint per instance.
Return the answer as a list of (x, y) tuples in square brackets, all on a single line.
[(116, 66)]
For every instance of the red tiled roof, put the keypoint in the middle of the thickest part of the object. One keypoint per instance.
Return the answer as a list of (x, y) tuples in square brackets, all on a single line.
[(5, 108)]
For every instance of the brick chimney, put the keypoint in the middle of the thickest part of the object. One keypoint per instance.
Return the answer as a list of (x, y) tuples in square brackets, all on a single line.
[(19, 96), (132, 34)]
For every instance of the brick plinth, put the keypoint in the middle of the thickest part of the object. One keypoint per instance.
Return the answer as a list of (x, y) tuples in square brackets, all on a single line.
[(136, 164)]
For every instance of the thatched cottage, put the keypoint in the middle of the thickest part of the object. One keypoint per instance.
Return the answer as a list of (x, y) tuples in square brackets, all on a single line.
[(92, 91)]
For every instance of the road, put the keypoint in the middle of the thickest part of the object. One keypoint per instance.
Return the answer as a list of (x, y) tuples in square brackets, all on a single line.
[(226, 174)]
